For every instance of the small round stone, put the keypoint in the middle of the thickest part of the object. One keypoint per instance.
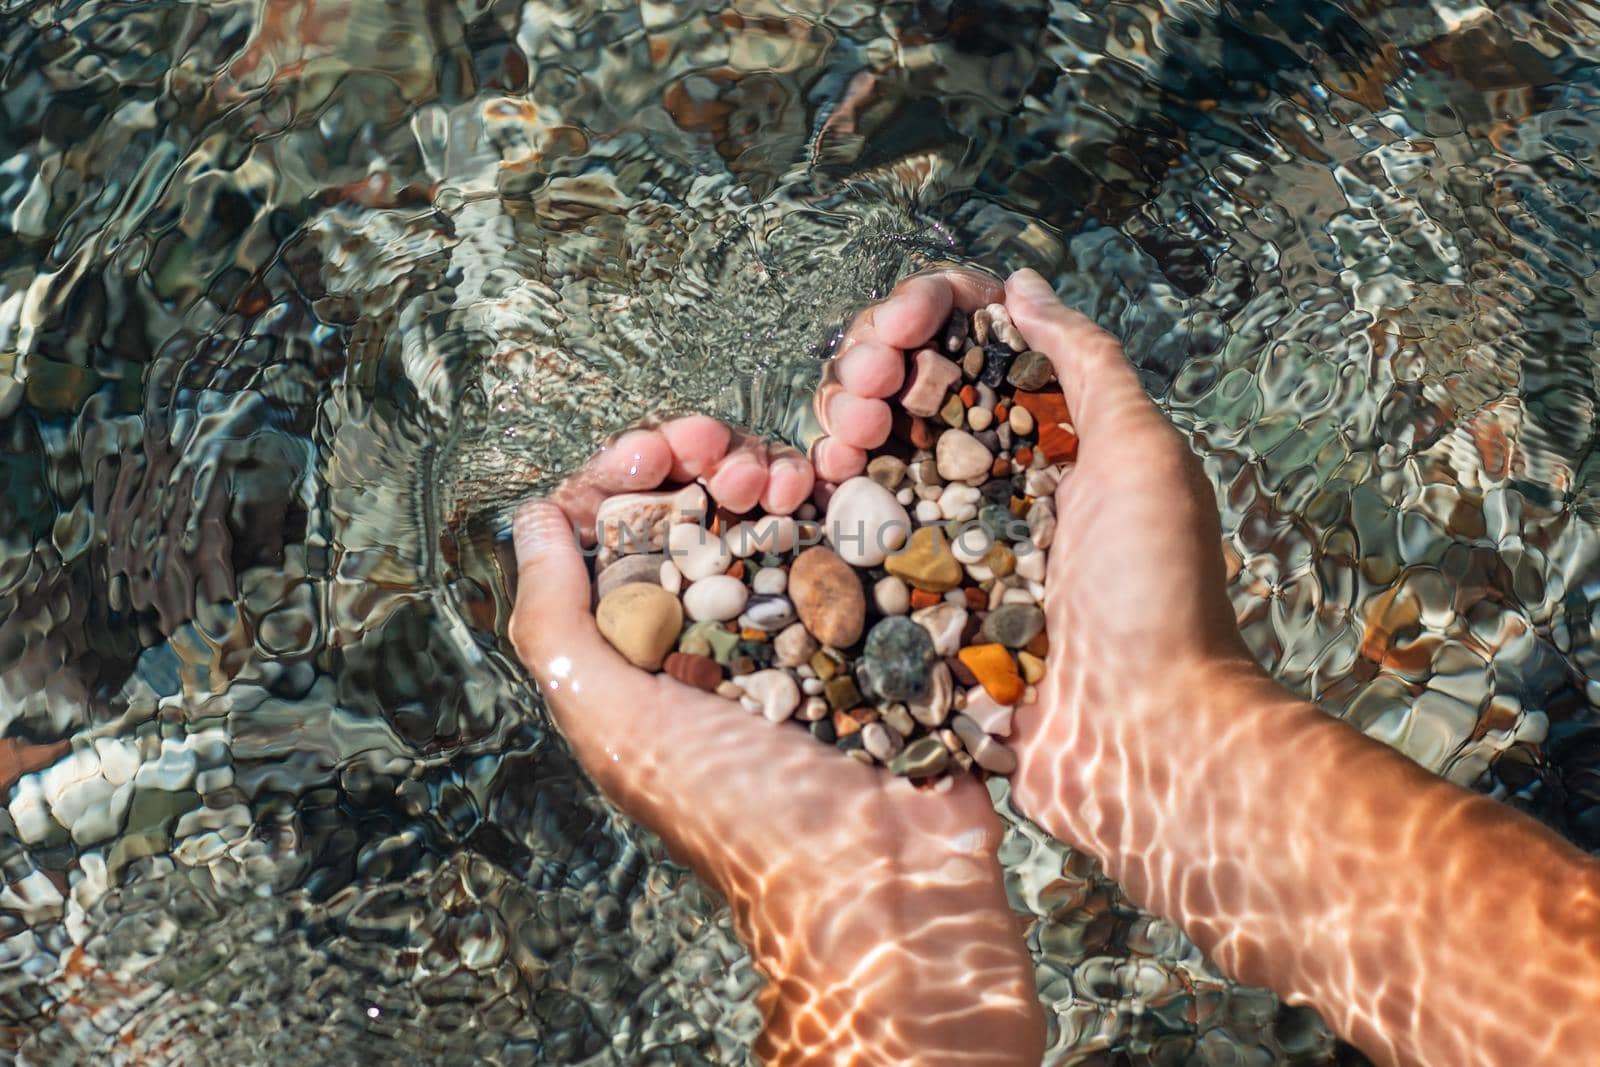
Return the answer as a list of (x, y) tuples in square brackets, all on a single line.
[(717, 598), (1020, 421), (641, 621), (896, 659), (770, 581), (980, 418), (794, 645), (865, 523), (892, 596), (626, 570), (828, 596), (702, 672), (768, 613), (961, 456), (883, 743), (698, 552), (771, 692)]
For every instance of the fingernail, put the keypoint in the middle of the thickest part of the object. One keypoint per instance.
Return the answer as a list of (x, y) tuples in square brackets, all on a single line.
[(1030, 285)]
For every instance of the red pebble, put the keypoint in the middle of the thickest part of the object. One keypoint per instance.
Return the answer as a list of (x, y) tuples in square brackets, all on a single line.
[(737, 570), (1000, 467), (921, 598), (921, 436), (969, 395), (977, 599), (702, 672), (1024, 457), (1057, 440)]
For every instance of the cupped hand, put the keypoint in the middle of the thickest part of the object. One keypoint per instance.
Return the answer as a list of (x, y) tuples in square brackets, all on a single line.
[(876, 910)]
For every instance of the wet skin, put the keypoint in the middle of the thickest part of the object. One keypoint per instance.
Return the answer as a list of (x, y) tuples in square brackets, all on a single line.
[(876, 911), (1427, 924)]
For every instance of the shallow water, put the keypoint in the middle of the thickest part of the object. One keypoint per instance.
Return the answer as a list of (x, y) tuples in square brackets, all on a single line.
[(296, 298)]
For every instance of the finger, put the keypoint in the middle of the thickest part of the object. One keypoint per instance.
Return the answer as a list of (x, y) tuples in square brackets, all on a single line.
[(698, 444), (1099, 383), (552, 605), (635, 461), (739, 477), (789, 481), (871, 369), (857, 421), (835, 461)]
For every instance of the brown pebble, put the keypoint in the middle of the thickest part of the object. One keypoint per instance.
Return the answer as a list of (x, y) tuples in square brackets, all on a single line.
[(737, 570), (824, 664), (863, 714), (1024, 456), (1000, 467), (952, 414), (923, 598), (920, 436), (1040, 645), (702, 672), (976, 600), (741, 665), (841, 692), (972, 362), (960, 673), (827, 595)]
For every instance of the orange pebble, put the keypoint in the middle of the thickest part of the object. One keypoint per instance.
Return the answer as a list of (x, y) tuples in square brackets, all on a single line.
[(977, 599), (921, 598), (969, 395), (1000, 467), (996, 671), (737, 570), (753, 634), (1040, 645), (1024, 456), (1000, 412), (921, 436), (844, 724)]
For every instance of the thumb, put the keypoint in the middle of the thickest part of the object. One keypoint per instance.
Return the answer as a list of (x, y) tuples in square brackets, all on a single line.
[(552, 584), (1099, 383)]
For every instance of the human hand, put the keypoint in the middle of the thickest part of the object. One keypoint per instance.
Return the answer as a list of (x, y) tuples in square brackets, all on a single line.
[(876, 911), (1136, 603)]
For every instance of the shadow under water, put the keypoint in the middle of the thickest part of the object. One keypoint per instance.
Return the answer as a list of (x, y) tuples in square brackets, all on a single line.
[(297, 297)]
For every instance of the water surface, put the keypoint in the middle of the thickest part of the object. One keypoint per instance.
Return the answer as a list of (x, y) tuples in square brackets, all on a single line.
[(297, 297)]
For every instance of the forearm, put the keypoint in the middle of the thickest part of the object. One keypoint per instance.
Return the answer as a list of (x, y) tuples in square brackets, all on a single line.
[(1426, 923)]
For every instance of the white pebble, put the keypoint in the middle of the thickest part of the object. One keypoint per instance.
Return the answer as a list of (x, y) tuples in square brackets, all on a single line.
[(1040, 482), (718, 599), (882, 742), (979, 573), (865, 522), (935, 705), (1018, 596), (980, 419), (962, 456), (928, 512), (811, 686), (1037, 589), (771, 692), (892, 596), (1031, 564), (960, 502), (956, 597), (1020, 420), (696, 551), (812, 709), (769, 533), (671, 577), (770, 581), (971, 545), (905, 496), (982, 709), (944, 623)]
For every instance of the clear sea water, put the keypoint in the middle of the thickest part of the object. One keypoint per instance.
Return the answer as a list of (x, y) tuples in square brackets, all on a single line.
[(298, 296)]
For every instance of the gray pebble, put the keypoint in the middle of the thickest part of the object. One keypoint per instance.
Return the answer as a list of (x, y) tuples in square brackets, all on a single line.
[(1013, 625), (882, 742), (627, 570), (769, 613), (922, 758)]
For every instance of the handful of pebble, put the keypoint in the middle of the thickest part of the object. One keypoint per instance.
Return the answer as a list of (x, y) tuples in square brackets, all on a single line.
[(904, 624)]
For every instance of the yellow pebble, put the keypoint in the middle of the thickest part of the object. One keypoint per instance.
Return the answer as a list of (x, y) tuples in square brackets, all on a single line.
[(1032, 667)]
